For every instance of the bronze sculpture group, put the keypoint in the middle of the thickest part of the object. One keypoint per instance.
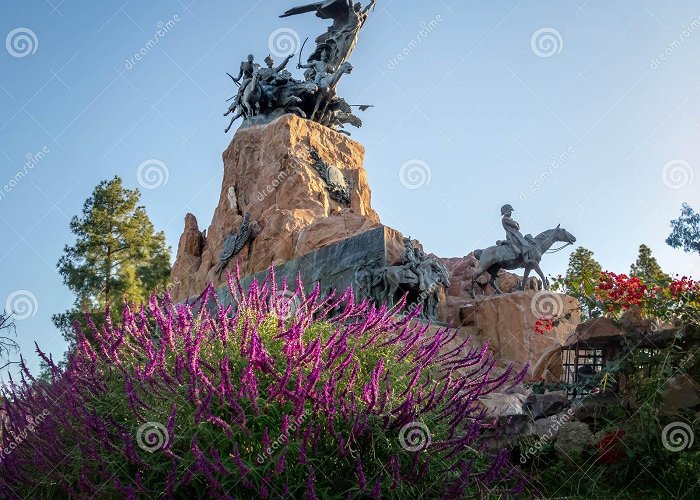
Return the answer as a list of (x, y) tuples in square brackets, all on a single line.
[(266, 93), (420, 276)]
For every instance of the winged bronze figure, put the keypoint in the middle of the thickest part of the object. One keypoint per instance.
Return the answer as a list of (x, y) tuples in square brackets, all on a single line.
[(235, 242), (340, 39)]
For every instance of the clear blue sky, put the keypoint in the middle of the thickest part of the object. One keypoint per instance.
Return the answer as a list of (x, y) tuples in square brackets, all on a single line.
[(474, 101)]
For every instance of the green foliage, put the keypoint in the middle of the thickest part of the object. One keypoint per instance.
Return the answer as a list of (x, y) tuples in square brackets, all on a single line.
[(685, 232), (648, 269), (646, 467), (582, 276), (585, 481), (117, 255), (258, 405)]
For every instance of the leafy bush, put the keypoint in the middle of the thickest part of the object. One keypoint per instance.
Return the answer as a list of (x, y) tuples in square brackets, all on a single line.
[(332, 400), (637, 455)]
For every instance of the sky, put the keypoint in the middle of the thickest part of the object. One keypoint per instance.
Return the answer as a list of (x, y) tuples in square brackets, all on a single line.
[(577, 112)]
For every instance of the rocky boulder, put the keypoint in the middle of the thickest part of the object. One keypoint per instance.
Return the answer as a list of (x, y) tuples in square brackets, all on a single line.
[(593, 406), (503, 405), (507, 322), (571, 440), (462, 270), (545, 405)]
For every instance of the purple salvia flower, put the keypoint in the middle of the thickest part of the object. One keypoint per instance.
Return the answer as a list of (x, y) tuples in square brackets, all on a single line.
[(376, 493), (361, 479), (281, 464), (310, 486), (265, 439), (394, 469)]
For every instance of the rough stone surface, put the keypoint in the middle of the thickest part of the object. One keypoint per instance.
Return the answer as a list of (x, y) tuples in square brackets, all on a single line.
[(595, 328), (189, 252), (549, 368), (572, 438), (681, 392), (334, 265), (506, 431), (545, 405), (268, 172), (507, 322), (502, 404), (548, 427), (545, 428), (591, 407), (460, 291)]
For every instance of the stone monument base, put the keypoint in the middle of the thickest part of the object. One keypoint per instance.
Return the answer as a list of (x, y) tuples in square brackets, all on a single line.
[(508, 323), (269, 173), (295, 195)]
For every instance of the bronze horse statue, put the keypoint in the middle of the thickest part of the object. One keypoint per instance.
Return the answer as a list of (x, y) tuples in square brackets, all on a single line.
[(397, 278), (247, 102), (504, 256)]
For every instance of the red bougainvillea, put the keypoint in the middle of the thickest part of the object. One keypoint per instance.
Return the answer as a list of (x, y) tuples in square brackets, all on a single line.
[(620, 290), (684, 285), (544, 325)]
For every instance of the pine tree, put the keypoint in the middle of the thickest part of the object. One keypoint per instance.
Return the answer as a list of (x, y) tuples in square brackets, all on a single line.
[(582, 276), (117, 256), (648, 269), (8, 344), (686, 231)]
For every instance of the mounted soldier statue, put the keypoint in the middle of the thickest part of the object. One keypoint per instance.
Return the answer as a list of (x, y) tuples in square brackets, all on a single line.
[(518, 251), (418, 274)]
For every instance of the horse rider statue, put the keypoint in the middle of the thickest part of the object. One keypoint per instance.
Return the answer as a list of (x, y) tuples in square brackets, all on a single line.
[(514, 237), (518, 251)]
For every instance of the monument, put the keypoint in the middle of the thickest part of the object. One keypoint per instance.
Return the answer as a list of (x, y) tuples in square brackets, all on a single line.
[(518, 251), (295, 192), (295, 195)]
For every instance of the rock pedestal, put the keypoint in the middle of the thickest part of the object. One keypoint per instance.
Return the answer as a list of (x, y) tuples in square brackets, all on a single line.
[(508, 323), (462, 269), (269, 172)]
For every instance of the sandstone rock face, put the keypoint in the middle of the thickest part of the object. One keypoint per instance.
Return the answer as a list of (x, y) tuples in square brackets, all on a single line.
[(508, 323), (189, 252), (595, 328), (268, 172), (462, 269)]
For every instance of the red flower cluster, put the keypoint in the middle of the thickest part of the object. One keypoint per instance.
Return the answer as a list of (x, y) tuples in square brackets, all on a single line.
[(683, 285), (543, 325), (620, 290), (609, 449)]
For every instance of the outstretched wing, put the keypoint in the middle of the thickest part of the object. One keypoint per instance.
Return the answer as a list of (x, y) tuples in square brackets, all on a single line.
[(330, 9), (229, 249)]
